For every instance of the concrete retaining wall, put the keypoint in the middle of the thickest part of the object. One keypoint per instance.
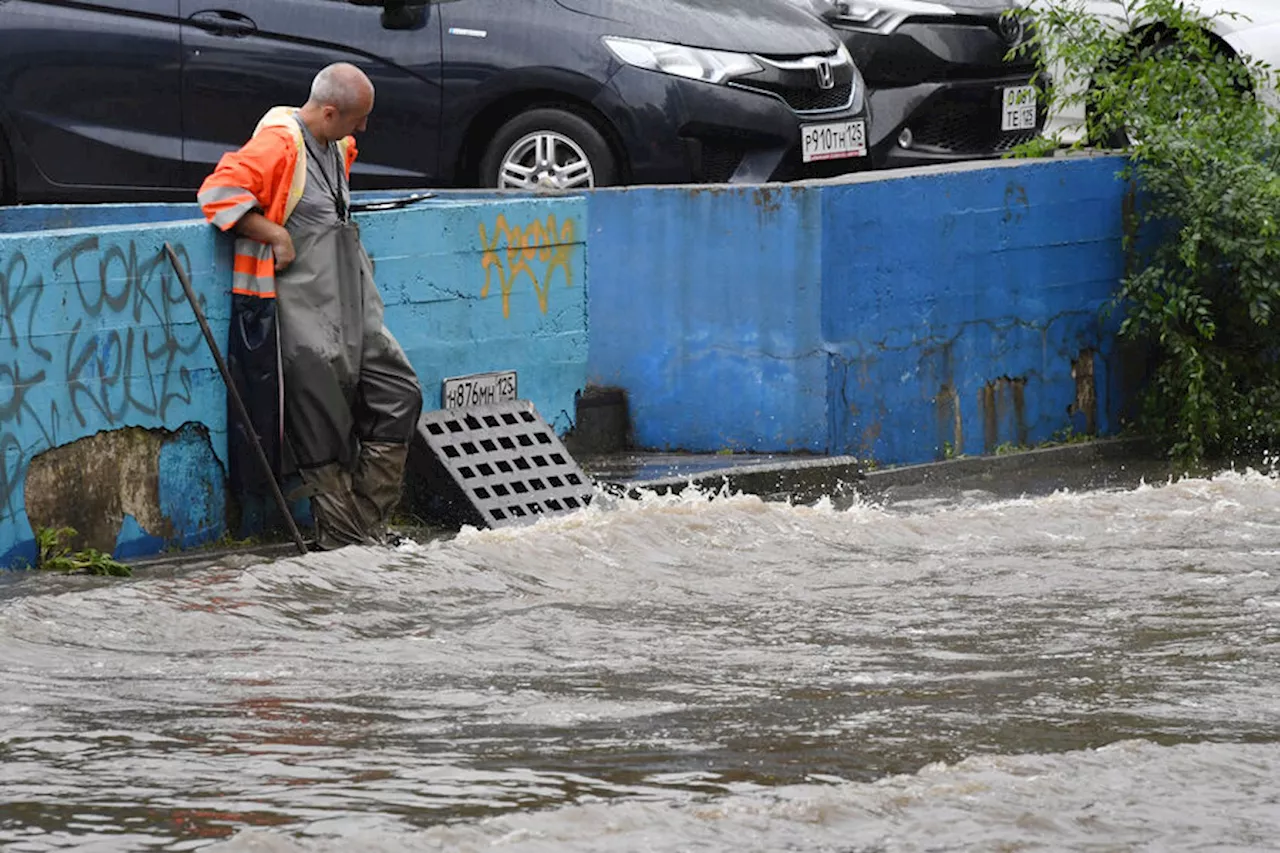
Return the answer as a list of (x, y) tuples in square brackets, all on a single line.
[(113, 415), (95, 335), (902, 317), (897, 317)]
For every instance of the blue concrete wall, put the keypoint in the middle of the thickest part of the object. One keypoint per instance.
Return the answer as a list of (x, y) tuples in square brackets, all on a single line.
[(49, 217), (706, 307), (983, 285), (898, 316), (476, 287), (96, 335)]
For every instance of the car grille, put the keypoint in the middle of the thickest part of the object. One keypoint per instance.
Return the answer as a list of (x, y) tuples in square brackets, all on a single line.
[(965, 127), (810, 100)]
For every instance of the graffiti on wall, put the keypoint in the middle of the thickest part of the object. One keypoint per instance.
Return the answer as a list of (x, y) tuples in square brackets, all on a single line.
[(535, 251), (120, 353)]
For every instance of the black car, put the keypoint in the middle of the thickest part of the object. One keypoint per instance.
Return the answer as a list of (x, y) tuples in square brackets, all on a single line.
[(137, 99), (941, 88)]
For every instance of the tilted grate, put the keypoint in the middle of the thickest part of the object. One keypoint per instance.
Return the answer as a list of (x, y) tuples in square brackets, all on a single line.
[(503, 460)]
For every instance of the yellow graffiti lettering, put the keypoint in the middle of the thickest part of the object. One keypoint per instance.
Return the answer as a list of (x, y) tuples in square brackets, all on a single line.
[(512, 249)]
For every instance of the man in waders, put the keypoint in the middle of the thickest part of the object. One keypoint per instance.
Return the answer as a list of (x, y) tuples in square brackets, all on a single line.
[(330, 390)]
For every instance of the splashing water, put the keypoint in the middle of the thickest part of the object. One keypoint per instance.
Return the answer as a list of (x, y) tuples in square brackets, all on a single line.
[(1080, 671)]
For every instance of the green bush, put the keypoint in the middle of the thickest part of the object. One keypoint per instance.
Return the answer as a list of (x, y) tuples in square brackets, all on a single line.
[(1203, 279)]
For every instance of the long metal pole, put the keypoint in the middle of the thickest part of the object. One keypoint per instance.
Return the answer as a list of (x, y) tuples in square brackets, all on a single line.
[(241, 411)]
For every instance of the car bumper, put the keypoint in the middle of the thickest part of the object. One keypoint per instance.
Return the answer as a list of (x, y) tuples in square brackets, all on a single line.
[(944, 122), (674, 130), (944, 82)]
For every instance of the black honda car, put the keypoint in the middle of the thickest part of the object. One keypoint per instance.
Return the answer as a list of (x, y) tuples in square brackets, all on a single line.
[(137, 99), (940, 86)]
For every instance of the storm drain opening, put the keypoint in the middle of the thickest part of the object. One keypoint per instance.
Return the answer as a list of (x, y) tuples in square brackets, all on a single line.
[(494, 465)]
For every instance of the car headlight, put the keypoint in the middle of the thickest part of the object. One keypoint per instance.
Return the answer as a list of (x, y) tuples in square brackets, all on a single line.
[(859, 84), (883, 16), (860, 12), (844, 57), (695, 63)]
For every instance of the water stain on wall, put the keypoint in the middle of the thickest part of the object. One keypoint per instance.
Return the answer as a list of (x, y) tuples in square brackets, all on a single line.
[(1003, 401)]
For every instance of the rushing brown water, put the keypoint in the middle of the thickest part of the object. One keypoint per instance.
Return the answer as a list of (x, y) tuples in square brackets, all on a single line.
[(1082, 671)]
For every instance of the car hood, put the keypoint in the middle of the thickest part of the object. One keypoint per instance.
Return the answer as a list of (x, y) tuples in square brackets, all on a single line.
[(745, 26), (1253, 13)]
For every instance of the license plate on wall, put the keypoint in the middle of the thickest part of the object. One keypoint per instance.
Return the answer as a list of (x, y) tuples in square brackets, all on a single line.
[(478, 389), (833, 141), (1019, 111)]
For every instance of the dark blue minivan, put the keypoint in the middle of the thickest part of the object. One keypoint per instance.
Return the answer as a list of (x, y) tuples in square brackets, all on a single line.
[(137, 99)]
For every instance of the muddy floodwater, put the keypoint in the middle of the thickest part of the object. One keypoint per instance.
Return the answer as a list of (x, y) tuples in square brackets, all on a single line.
[(1081, 670)]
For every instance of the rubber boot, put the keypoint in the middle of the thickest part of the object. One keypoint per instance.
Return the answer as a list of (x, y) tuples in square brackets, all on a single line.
[(377, 485), (335, 507)]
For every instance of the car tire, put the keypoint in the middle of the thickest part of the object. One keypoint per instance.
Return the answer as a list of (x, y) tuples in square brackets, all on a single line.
[(548, 149), (1115, 139), (1118, 138)]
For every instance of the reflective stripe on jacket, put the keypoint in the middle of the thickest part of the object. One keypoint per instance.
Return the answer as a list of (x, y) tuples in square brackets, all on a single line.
[(268, 175)]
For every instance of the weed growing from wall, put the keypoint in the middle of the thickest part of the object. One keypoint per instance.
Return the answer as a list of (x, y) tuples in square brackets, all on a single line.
[(1203, 280)]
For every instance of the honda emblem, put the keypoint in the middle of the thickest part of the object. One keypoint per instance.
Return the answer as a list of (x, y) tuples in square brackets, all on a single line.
[(826, 79)]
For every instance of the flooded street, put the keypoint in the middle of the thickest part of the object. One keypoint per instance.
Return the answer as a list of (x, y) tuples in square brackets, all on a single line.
[(1078, 671)]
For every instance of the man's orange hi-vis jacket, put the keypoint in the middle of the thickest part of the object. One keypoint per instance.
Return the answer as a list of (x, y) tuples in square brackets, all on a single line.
[(269, 175)]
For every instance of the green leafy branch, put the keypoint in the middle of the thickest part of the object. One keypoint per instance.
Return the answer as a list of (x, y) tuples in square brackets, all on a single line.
[(54, 554), (1203, 244)]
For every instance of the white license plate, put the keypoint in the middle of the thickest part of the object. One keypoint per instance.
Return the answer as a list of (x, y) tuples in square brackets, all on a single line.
[(833, 141), (1019, 111), (479, 389)]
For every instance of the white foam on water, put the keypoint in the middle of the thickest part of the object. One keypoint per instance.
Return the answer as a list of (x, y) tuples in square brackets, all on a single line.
[(1129, 795)]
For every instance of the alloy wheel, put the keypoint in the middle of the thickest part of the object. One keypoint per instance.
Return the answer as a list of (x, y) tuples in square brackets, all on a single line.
[(545, 160)]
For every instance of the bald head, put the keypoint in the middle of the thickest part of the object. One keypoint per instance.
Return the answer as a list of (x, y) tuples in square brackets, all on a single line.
[(340, 103), (341, 85)]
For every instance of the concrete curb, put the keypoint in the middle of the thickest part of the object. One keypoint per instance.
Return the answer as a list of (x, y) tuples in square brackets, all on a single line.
[(801, 479), (982, 467), (806, 479)]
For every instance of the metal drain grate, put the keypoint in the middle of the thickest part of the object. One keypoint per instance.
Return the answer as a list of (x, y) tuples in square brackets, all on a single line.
[(502, 462)]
